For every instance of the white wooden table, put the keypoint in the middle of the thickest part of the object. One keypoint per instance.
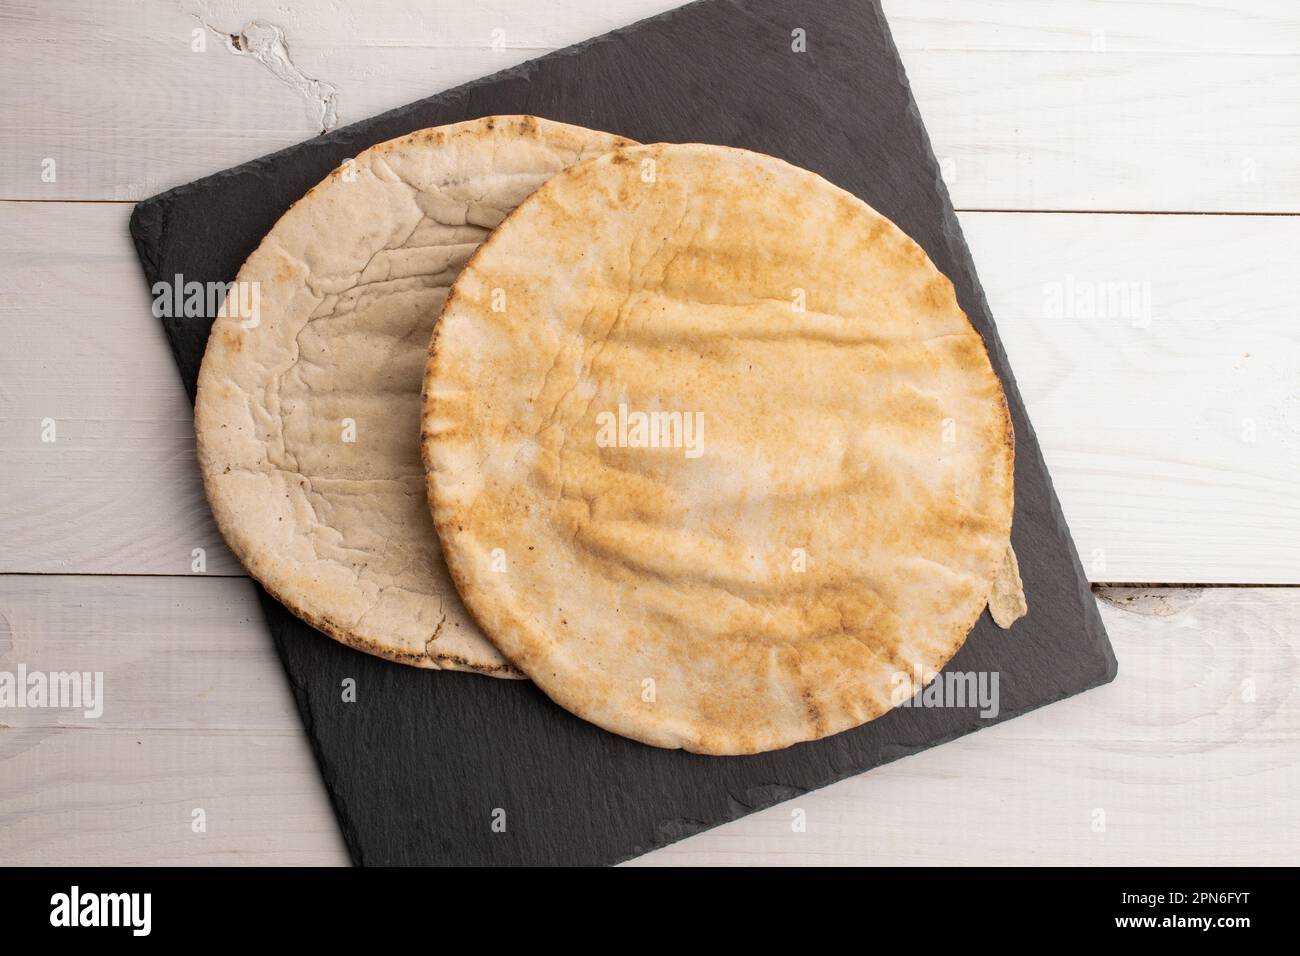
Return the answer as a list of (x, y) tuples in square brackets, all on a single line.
[(1091, 147)]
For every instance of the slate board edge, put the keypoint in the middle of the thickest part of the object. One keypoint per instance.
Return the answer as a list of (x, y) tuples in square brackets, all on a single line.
[(148, 224), (791, 793), (993, 342)]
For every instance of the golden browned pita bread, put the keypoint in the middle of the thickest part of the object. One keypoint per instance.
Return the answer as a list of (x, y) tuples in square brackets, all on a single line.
[(836, 530), (308, 422)]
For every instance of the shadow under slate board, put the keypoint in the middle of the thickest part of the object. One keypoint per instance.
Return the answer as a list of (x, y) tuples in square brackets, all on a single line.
[(420, 763)]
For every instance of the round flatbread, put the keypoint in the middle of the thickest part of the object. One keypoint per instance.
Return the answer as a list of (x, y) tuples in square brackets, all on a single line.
[(308, 411), (715, 457)]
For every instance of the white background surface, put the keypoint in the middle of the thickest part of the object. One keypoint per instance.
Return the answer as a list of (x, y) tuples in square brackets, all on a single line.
[(1089, 145)]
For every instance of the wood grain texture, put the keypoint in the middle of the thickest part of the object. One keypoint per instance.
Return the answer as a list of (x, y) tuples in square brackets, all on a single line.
[(1160, 360), (1169, 410), (197, 715), (117, 491), (1078, 105), (1193, 753), (1253, 27)]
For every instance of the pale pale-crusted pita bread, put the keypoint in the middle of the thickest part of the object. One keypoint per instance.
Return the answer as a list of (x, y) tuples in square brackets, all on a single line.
[(839, 531), (351, 281)]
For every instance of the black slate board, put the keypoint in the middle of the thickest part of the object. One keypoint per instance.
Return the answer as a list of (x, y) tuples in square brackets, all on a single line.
[(418, 765)]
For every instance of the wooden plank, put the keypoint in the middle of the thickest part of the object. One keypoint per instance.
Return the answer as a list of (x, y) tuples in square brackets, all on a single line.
[(1193, 753), (118, 489), (1160, 360), (197, 715), (129, 799), (1176, 109), (1145, 415), (1113, 131), (176, 653), (1256, 27)]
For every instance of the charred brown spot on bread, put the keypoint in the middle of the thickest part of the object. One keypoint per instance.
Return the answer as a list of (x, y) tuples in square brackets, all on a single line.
[(814, 712)]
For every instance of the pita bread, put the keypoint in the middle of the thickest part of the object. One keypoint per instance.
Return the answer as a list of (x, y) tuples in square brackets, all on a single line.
[(308, 423), (842, 524)]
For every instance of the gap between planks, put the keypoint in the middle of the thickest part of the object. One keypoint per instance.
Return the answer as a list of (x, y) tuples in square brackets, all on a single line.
[(1096, 586), (958, 209)]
